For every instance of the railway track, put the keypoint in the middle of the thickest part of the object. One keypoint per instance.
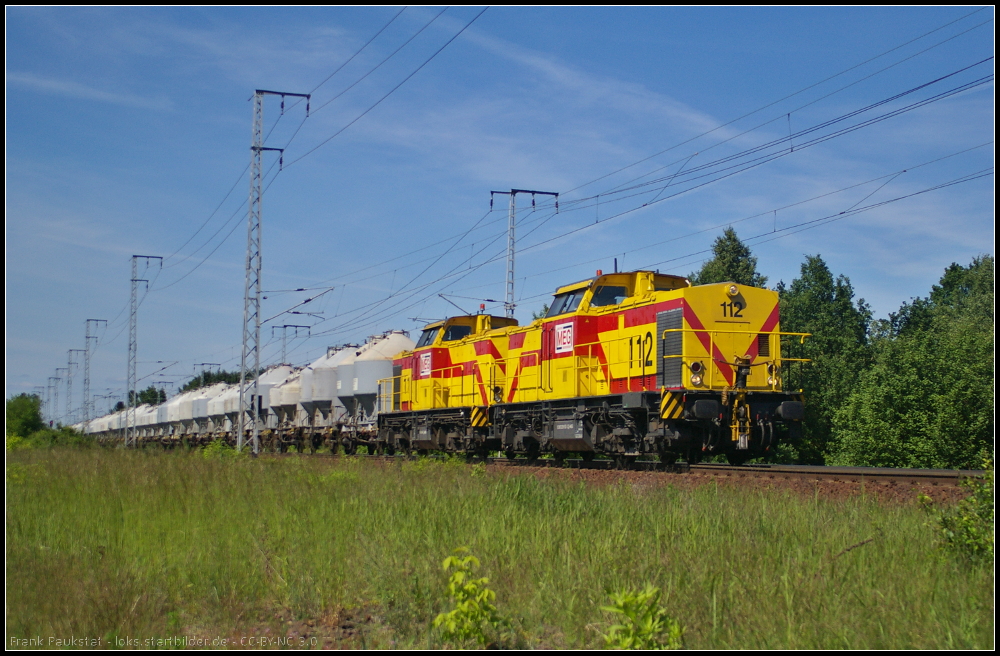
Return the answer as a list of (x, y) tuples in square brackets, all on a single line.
[(882, 475)]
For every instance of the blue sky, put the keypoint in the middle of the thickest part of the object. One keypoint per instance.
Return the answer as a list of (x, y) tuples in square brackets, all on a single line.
[(126, 128)]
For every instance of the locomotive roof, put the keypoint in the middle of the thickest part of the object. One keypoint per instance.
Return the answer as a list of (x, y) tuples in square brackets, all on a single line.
[(438, 324), (589, 281)]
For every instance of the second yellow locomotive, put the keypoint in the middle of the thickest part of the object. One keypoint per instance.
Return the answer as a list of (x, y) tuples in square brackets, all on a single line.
[(622, 364)]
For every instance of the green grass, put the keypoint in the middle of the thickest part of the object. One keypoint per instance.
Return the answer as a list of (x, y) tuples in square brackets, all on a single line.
[(107, 542)]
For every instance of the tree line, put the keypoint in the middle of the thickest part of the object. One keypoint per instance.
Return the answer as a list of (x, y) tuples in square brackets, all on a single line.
[(913, 390)]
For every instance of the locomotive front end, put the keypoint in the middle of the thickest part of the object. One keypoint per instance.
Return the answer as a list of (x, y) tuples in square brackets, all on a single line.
[(723, 375)]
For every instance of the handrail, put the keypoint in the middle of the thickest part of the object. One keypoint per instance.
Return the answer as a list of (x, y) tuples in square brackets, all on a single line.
[(447, 392)]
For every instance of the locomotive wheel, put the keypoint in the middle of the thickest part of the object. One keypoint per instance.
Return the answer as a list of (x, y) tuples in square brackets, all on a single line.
[(510, 453), (533, 451)]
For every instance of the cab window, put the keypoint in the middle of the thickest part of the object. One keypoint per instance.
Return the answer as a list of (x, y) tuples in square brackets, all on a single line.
[(608, 295), (567, 302), (427, 337), (453, 333)]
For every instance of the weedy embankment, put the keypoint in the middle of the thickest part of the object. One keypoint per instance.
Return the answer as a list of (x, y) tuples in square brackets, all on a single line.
[(113, 543)]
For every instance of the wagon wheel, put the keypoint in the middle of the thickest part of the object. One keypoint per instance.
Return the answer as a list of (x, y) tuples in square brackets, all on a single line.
[(624, 462)]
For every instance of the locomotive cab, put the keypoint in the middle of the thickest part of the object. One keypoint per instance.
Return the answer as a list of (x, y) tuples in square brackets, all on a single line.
[(610, 290), (439, 391)]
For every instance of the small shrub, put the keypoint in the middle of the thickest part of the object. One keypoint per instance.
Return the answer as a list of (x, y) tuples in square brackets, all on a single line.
[(643, 623), (967, 529), (15, 442), (474, 613), (220, 449)]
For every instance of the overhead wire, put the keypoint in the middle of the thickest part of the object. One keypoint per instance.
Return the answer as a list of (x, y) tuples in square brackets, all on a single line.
[(247, 167), (754, 163), (891, 176), (377, 66), (791, 95), (232, 230), (391, 91), (758, 162), (585, 184)]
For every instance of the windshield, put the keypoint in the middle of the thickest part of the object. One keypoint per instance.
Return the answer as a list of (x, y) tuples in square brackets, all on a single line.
[(608, 295), (456, 332), (427, 337), (567, 302)]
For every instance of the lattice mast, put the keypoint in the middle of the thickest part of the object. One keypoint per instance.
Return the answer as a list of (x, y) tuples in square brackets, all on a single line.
[(88, 402), (284, 338), (69, 384), (131, 394), (52, 398), (509, 303), (250, 403), (55, 393)]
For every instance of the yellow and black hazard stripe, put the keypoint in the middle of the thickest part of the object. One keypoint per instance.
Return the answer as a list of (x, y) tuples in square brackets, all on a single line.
[(478, 416), (671, 405)]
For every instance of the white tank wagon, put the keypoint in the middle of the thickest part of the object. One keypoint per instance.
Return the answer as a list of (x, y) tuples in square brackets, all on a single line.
[(145, 421), (179, 417), (326, 409), (292, 420), (268, 380), (357, 382), (203, 426), (331, 401), (222, 411)]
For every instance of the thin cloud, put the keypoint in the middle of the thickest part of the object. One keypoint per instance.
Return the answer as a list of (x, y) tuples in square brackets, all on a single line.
[(84, 92)]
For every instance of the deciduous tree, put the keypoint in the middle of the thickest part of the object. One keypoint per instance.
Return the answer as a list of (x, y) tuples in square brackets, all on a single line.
[(731, 262), (819, 304), (927, 401)]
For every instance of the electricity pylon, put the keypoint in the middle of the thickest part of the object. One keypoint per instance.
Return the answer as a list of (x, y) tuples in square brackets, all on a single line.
[(131, 395), (250, 405), (509, 300)]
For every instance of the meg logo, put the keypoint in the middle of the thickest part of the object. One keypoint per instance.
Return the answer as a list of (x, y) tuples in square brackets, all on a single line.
[(425, 364), (564, 338)]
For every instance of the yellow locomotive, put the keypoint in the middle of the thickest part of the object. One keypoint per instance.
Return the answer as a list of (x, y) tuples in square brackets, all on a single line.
[(622, 364)]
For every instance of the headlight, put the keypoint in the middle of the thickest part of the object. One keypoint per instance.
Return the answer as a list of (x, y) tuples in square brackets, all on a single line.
[(696, 380), (771, 381), (696, 367), (732, 290)]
